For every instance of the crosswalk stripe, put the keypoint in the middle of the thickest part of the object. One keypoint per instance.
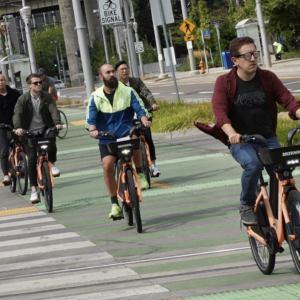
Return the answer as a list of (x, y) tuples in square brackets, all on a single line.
[(146, 290), (44, 238), (22, 216), (43, 283), (31, 230), (27, 222), (46, 249), (57, 261)]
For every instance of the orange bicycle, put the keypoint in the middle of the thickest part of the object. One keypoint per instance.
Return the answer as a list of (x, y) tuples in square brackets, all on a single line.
[(283, 204), (18, 171)]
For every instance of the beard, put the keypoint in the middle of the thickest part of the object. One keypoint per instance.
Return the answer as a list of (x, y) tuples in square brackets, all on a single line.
[(112, 83)]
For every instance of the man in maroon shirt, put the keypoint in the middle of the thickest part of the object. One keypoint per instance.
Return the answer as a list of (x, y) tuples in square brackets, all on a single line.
[(244, 102)]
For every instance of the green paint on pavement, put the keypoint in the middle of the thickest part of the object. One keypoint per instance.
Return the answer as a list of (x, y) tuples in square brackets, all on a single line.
[(77, 150), (290, 291)]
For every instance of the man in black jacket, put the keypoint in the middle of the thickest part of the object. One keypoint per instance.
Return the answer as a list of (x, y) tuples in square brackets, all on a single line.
[(139, 86), (8, 100)]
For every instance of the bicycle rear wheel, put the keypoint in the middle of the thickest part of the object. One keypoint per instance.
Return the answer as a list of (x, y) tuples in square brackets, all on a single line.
[(135, 203), (22, 178), (13, 179), (63, 133), (293, 208), (146, 168), (126, 209), (47, 192), (262, 256)]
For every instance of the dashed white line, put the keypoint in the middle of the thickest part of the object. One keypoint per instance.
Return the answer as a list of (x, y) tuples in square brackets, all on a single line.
[(292, 82), (180, 93), (206, 92)]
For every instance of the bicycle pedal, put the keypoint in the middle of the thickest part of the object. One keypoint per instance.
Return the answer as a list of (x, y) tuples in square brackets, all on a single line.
[(117, 219), (280, 249)]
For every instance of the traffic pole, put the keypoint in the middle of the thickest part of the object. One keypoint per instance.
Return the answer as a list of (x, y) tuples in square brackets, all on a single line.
[(204, 51), (218, 35), (84, 51)]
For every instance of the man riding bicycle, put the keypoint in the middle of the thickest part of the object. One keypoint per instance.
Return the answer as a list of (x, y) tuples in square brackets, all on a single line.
[(139, 86), (111, 108), (8, 100), (244, 102), (48, 83), (36, 111)]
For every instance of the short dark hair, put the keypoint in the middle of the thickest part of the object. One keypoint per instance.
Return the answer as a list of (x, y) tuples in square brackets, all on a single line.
[(29, 77), (237, 43), (122, 62), (100, 71)]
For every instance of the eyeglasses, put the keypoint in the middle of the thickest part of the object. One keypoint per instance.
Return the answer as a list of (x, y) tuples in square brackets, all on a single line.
[(124, 69), (37, 82), (247, 56)]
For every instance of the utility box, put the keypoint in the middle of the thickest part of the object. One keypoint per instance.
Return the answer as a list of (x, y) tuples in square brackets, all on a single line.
[(228, 64)]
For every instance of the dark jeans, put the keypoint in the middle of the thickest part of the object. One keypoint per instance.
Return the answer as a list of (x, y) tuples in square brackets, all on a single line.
[(4, 151), (246, 156), (148, 138), (32, 157), (278, 56)]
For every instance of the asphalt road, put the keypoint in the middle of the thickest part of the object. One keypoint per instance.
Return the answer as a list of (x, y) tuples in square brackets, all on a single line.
[(191, 243), (189, 90)]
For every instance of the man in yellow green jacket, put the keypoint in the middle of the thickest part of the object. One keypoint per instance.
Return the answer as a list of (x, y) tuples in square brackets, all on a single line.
[(279, 50)]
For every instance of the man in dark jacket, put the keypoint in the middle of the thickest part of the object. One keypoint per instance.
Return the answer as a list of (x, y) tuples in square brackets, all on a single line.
[(8, 100), (244, 102), (139, 86), (36, 111)]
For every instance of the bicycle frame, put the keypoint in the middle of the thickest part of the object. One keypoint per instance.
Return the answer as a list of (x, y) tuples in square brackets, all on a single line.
[(122, 176), (14, 153), (147, 149), (39, 171), (283, 216)]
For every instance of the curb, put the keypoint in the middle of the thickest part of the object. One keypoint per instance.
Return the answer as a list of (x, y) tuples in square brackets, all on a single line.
[(176, 134)]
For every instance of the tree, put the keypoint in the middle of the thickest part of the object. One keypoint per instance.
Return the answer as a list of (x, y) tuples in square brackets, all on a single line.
[(44, 50)]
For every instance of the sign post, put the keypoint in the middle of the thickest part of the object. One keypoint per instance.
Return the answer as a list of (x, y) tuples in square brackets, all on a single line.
[(204, 51), (216, 23)]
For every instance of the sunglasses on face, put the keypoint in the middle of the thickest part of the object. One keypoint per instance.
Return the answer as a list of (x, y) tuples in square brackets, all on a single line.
[(37, 82), (247, 56)]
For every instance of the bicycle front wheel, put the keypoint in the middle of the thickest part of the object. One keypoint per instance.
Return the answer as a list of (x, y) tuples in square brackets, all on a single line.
[(47, 192), (146, 168), (22, 178), (293, 208), (135, 203), (13, 179), (262, 256), (63, 133)]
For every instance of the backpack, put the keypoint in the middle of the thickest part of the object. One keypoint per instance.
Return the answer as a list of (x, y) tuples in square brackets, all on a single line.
[(285, 48)]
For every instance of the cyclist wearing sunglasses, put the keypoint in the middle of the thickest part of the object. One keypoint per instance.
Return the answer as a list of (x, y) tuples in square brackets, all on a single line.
[(244, 102), (36, 111), (48, 83)]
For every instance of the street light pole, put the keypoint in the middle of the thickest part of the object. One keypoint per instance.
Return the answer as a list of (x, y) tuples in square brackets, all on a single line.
[(25, 13), (62, 63)]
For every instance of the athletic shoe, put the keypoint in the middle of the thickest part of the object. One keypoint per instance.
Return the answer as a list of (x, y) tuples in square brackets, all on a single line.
[(6, 180), (155, 172), (55, 171), (247, 214), (116, 212), (144, 185), (34, 197)]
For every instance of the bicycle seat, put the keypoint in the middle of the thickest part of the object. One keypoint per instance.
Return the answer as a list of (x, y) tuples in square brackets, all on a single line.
[(287, 157)]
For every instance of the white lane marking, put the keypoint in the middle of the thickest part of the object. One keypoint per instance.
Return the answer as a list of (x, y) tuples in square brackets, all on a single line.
[(22, 216), (297, 91), (56, 261), (42, 284), (39, 239), (82, 93), (289, 89), (180, 93), (74, 96), (206, 92), (155, 94), (291, 82), (27, 222), (30, 230), (46, 249), (118, 294)]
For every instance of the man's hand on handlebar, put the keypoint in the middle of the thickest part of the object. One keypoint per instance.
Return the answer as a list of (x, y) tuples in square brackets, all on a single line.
[(19, 132), (145, 122), (155, 107), (59, 127), (234, 138), (94, 134)]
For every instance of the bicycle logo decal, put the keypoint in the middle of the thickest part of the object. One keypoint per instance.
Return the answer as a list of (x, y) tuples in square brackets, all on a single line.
[(109, 4)]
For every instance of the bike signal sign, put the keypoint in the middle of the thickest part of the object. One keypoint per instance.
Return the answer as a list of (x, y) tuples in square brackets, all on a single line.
[(110, 12), (187, 27)]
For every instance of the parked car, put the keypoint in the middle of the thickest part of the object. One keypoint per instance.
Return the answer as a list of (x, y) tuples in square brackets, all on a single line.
[(59, 84)]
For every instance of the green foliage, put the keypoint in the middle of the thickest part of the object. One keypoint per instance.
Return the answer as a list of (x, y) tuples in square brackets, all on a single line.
[(291, 55), (148, 56), (42, 42)]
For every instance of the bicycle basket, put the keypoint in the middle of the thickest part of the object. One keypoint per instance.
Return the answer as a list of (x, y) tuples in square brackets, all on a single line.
[(286, 156), (34, 143), (127, 144)]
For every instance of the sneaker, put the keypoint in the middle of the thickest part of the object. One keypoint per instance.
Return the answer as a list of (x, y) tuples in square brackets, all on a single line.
[(34, 197), (116, 212), (144, 185), (247, 214), (155, 172), (55, 171), (6, 180)]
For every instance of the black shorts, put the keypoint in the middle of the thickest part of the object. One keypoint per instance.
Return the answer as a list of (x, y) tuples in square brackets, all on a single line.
[(105, 152)]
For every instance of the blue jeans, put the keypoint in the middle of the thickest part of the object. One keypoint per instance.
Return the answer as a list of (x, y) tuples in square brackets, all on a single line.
[(246, 156)]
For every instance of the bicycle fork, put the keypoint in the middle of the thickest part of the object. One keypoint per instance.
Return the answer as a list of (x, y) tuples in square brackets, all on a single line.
[(40, 174)]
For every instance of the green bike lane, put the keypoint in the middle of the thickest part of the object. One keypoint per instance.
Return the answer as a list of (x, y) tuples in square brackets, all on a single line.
[(191, 243)]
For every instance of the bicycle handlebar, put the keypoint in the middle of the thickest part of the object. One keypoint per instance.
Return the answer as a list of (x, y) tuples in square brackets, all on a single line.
[(7, 126), (246, 138), (291, 134), (31, 133), (106, 133)]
